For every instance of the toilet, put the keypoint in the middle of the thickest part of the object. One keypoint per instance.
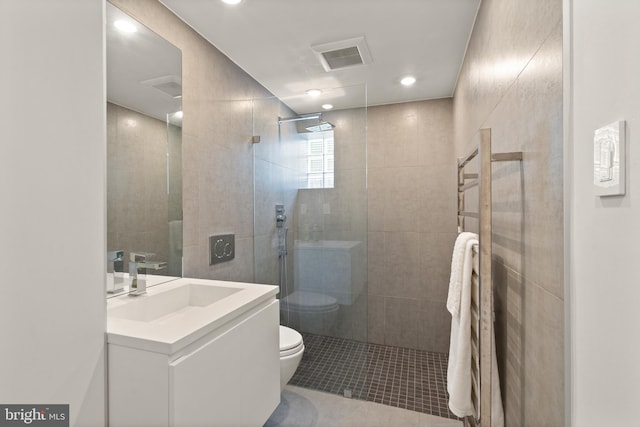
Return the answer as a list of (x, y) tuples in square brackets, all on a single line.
[(291, 349), (327, 276), (310, 311)]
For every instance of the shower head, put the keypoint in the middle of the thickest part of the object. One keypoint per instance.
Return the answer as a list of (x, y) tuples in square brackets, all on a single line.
[(320, 127), (314, 116)]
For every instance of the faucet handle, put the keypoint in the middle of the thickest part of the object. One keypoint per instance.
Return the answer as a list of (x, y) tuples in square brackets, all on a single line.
[(152, 265), (140, 256)]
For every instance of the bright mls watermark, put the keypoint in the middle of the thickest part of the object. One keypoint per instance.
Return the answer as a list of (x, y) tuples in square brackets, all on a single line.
[(34, 415)]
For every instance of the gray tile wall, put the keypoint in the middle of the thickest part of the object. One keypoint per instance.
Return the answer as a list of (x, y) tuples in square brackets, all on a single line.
[(412, 223), (511, 81), (137, 205)]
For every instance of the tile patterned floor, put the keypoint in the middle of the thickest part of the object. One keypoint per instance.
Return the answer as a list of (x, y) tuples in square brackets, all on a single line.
[(394, 376)]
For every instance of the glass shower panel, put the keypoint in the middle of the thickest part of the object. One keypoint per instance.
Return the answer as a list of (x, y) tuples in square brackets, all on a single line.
[(319, 255), (276, 175)]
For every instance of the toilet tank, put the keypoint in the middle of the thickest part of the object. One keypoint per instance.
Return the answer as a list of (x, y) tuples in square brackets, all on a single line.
[(330, 267)]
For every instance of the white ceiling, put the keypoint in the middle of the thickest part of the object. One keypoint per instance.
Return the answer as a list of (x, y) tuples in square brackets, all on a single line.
[(271, 40), (136, 58)]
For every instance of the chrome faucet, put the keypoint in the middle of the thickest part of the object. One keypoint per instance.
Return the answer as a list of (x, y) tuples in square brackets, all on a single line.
[(115, 275), (138, 266)]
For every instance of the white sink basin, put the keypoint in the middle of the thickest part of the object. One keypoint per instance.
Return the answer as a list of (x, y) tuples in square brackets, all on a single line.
[(175, 314), (176, 301)]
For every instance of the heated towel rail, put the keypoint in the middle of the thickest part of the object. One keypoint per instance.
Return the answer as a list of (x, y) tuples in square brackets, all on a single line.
[(482, 282)]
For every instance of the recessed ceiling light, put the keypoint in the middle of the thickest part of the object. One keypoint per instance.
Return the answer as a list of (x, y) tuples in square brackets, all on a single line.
[(125, 26), (408, 81), (327, 106), (314, 92), (231, 1)]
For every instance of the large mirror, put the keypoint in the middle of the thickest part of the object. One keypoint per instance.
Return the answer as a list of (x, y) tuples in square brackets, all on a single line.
[(144, 150)]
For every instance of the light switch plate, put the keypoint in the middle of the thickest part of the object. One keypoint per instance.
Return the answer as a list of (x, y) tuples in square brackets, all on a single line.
[(609, 160)]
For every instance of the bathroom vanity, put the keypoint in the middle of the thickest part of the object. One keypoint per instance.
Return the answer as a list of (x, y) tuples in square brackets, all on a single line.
[(194, 352)]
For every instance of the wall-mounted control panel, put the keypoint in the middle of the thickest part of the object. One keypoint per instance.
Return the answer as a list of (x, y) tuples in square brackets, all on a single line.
[(222, 248), (280, 216), (609, 159)]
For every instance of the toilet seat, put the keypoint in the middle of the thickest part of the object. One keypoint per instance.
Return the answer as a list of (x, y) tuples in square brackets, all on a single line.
[(309, 302), (290, 341)]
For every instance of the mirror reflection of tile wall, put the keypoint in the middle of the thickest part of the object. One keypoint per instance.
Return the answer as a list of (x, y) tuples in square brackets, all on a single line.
[(174, 168), (137, 200)]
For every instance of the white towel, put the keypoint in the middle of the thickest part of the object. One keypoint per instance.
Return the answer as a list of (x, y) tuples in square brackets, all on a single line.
[(459, 368), (459, 305), (460, 260)]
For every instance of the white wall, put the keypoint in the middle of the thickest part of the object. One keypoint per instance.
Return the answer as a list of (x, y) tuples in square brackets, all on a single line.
[(605, 233), (52, 214)]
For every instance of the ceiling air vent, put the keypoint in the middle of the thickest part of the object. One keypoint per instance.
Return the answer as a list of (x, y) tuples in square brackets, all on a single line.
[(343, 54), (169, 85)]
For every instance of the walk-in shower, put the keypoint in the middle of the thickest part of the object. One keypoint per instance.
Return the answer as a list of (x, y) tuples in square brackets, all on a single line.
[(324, 292), (314, 244)]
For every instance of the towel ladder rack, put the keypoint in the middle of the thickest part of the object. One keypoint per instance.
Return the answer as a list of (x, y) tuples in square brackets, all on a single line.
[(482, 285)]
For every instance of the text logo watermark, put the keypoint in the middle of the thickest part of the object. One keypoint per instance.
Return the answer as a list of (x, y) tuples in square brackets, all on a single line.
[(34, 415)]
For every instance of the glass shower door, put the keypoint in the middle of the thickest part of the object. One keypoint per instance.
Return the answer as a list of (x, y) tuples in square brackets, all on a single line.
[(315, 172)]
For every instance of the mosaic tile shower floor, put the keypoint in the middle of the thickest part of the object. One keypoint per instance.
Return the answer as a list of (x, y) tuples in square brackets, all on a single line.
[(394, 376)]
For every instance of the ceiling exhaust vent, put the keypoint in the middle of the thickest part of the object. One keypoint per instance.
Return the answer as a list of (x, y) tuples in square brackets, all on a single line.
[(169, 85), (343, 54)]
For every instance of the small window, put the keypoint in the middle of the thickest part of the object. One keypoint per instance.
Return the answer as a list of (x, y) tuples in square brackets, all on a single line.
[(320, 160)]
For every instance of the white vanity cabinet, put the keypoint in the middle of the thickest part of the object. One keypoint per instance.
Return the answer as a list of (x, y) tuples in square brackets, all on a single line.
[(228, 376)]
